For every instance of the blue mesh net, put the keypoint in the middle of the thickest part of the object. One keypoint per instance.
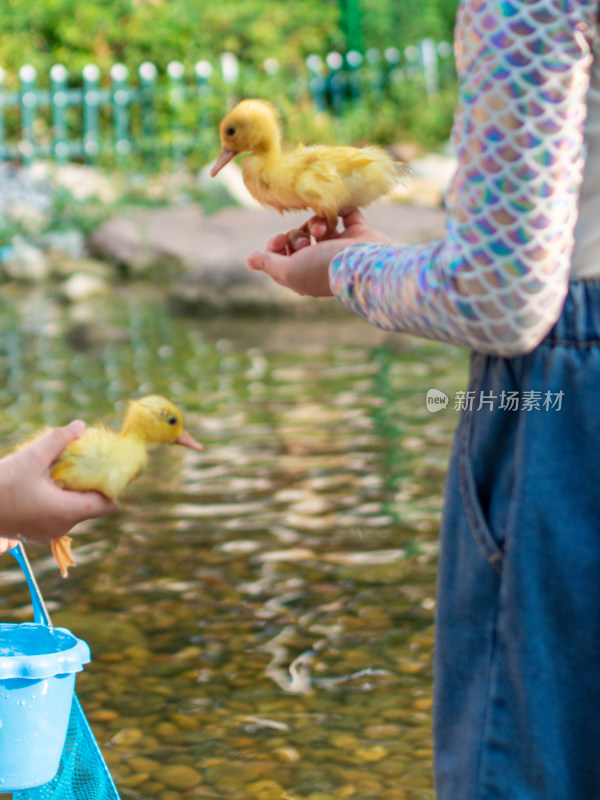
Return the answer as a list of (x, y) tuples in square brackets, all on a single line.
[(82, 773)]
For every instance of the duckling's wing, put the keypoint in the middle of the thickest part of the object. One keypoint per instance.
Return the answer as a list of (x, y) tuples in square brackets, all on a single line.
[(367, 173), (345, 160), (317, 181), (99, 460)]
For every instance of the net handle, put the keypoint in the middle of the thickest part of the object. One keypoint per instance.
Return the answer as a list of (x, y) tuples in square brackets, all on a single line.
[(40, 612)]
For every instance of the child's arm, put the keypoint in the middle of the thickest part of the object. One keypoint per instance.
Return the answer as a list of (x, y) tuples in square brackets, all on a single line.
[(497, 281)]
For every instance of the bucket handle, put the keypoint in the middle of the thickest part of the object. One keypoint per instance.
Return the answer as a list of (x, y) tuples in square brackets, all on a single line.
[(40, 612)]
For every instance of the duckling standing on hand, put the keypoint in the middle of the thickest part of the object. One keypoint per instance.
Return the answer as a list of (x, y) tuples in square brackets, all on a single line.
[(329, 180), (106, 461)]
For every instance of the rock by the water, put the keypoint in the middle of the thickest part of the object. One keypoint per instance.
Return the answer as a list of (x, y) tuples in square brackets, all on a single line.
[(70, 243), (82, 181), (25, 262), (82, 286), (209, 251)]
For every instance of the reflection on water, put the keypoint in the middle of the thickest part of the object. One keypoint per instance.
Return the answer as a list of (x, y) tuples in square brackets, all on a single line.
[(260, 614)]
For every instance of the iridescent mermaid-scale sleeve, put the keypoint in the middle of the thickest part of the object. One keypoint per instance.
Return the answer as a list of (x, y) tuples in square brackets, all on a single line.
[(496, 282)]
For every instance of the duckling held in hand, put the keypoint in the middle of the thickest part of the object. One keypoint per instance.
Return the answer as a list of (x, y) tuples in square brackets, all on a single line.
[(106, 461), (330, 180)]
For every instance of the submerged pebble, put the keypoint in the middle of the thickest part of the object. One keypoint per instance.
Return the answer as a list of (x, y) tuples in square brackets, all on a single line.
[(178, 776)]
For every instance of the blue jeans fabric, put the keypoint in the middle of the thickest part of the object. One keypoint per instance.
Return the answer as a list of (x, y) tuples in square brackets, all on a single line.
[(517, 659)]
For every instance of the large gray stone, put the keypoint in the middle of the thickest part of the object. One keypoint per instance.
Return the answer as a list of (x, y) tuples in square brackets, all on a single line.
[(209, 252), (186, 236)]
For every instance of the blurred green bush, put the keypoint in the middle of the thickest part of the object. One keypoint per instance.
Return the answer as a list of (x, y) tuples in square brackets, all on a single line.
[(105, 32), (132, 31)]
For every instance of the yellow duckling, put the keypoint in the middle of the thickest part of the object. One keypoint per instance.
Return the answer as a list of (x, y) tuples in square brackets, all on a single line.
[(106, 461), (328, 180)]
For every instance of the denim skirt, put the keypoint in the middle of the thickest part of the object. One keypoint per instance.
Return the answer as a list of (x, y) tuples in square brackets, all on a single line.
[(517, 658)]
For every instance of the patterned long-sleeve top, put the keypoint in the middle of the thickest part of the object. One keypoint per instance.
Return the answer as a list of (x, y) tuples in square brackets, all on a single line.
[(497, 281)]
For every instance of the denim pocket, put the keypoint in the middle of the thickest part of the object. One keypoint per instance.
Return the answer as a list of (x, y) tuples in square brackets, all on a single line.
[(487, 457), (478, 521)]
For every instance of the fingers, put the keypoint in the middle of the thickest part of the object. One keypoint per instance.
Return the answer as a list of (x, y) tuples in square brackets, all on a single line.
[(34, 507), (50, 446), (85, 505), (47, 512), (283, 242), (317, 227), (291, 262), (277, 244), (353, 217), (275, 264), (304, 272), (7, 544)]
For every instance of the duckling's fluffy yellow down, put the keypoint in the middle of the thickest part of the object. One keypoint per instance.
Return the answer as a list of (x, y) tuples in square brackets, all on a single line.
[(330, 180), (106, 461)]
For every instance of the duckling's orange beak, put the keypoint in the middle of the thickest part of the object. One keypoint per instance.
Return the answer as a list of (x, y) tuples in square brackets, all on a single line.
[(224, 157), (187, 440)]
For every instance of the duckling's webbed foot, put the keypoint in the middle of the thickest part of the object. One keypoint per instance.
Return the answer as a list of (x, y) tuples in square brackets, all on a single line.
[(61, 550), (332, 223), (297, 238), (301, 237)]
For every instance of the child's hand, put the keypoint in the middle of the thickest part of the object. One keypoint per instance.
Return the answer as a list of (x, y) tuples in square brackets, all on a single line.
[(33, 507), (306, 270)]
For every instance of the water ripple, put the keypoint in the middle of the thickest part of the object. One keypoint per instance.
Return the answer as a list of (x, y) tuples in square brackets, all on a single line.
[(260, 614)]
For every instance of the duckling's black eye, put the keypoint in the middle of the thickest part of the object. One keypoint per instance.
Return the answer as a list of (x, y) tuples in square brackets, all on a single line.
[(230, 131), (172, 420)]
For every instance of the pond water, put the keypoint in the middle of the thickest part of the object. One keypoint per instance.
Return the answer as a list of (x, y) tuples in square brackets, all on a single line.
[(261, 614)]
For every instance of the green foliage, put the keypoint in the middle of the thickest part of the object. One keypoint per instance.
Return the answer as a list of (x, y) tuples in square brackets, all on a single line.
[(402, 23), (134, 31), (400, 114), (104, 32)]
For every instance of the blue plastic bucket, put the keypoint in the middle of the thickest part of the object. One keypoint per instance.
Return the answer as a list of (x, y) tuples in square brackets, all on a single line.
[(37, 681)]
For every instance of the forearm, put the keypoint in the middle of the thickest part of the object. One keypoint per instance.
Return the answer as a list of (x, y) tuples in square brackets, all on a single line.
[(497, 281), (415, 290)]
